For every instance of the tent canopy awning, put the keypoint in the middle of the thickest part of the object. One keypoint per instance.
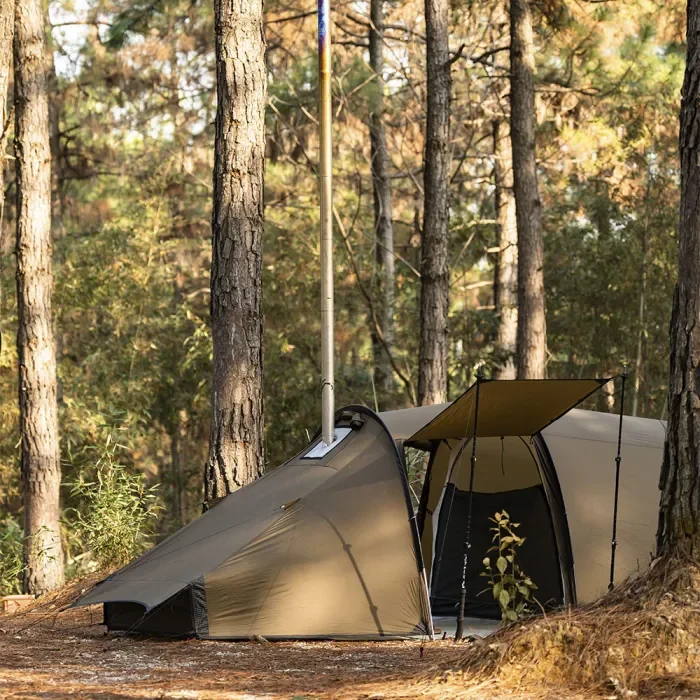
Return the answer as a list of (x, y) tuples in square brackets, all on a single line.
[(508, 408)]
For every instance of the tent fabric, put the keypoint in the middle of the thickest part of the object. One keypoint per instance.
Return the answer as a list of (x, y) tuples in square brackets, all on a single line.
[(573, 459), (514, 407), (405, 422), (318, 548), (583, 446)]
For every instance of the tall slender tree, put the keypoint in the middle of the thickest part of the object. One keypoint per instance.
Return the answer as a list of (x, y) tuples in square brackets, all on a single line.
[(236, 436), (435, 273), (532, 328), (679, 521), (506, 282), (381, 187), (7, 25), (39, 451)]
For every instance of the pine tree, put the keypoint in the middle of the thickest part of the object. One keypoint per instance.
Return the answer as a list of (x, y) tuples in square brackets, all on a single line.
[(532, 329), (36, 348), (679, 522), (236, 436), (381, 186), (435, 272)]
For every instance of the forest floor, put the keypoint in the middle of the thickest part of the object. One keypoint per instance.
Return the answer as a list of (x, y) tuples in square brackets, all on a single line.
[(49, 655)]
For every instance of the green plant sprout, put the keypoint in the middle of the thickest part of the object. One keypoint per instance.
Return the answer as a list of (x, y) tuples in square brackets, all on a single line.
[(511, 587)]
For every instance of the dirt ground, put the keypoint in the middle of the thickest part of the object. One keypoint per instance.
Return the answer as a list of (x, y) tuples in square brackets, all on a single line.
[(45, 655)]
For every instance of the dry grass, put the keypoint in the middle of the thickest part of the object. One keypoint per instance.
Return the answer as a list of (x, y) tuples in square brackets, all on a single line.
[(642, 638)]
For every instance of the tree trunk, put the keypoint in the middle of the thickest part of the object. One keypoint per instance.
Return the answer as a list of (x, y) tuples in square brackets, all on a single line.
[(532, 329), (39, 452), (435, 275), (54, 140), (679, 519), (609, 396), (506, 282), (7, 25), (236, 436), (381, 187), (641, 313)]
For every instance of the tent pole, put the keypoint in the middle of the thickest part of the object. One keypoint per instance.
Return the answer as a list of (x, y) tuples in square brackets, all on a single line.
[(468, 541), (327, 369), (618, 460)]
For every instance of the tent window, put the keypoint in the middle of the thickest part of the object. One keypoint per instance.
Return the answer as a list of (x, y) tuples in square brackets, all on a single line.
[(320, 449)]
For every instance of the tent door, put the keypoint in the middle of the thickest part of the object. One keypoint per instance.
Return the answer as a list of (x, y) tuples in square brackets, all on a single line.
[(508, 477)]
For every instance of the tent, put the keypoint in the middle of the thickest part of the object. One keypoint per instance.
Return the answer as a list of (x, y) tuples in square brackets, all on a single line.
[(328, 545)]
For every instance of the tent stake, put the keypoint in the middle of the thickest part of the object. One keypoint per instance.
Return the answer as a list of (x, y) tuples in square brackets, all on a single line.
[(468, 541), (618, 460)]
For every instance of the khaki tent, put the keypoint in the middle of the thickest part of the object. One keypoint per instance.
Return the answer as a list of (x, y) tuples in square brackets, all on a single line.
[(328, 545)]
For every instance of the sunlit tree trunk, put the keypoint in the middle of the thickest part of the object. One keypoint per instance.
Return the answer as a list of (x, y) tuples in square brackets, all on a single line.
[(39, 450), (532, 330), (506, 283), (236, 437), (608, 392), (435, 275), (679, 521), (381, 186), (7, 24)]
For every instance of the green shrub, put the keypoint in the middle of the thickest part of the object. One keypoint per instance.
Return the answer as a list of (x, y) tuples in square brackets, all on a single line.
[(117, 510), (11, 557)]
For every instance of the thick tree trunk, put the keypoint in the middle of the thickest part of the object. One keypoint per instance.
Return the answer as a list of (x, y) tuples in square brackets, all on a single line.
[(40, 463), (236, 437), (381, 186), (435, 275), (679, 520), (532, 329), (506, 282)]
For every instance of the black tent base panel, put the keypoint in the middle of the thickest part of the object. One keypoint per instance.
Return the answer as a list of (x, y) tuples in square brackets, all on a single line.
[(174, 619)]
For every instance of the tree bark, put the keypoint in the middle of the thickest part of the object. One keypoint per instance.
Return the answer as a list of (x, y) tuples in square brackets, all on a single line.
[(7, 25), (532, 329), (381, 187), (39, 452), (641, 313), (679, 519), (506, 282), (236, 436), (435, 275)]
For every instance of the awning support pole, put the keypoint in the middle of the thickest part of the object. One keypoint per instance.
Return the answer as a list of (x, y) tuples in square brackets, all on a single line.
[(618, 461), (468, 541)]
